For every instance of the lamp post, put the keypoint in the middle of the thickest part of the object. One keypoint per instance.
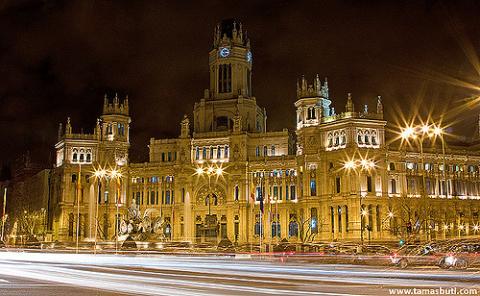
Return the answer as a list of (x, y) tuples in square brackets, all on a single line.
[(362, 164), (100, 174), (210, 171), (115, 174), (419, 134), (4, 216)]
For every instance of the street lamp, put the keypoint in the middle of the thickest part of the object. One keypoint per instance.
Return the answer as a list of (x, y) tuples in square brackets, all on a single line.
[(364, 164), (101, 174), (210, 171), (419, 133)]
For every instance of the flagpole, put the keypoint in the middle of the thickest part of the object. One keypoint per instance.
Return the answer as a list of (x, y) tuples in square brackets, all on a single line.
[(78, 203), (3, 213)]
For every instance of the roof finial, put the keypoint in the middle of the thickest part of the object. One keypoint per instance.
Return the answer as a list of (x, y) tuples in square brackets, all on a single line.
[(349, 107), (379, 105)]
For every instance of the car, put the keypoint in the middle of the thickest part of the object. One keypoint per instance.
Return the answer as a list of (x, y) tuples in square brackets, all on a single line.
[(461, 256), (373, 255), (422, 255)]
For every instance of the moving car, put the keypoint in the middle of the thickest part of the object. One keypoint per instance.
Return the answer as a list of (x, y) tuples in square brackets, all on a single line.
[(462, 255)]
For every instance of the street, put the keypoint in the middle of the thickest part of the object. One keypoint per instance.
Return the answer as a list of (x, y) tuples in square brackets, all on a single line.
[(27, 273)]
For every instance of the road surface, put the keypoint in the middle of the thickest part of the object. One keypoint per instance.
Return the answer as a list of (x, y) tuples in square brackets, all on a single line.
[(27, 273)]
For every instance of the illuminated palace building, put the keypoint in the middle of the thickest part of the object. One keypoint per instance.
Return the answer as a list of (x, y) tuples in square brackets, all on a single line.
[(335, 178)]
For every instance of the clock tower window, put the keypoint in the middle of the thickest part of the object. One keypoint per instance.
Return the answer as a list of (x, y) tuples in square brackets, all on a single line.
[(224, 78)]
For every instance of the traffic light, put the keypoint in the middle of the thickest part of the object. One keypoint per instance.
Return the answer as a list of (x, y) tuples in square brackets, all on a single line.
[(409, 227)]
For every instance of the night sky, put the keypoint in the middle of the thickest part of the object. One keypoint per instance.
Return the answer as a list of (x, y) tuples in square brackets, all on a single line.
[(59, 58)]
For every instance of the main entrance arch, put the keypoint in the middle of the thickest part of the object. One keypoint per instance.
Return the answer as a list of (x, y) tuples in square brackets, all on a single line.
[(209, 213)]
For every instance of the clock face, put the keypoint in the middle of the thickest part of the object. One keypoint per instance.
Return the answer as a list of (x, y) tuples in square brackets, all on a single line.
[(224, 52), (249, 56)]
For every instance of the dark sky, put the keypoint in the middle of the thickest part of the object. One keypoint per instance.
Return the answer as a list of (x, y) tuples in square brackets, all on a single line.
[(58, 58)]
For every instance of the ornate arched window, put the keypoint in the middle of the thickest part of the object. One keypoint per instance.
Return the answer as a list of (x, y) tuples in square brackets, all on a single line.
[(343, 139), (367, 138), (330, 140), (359, 137)]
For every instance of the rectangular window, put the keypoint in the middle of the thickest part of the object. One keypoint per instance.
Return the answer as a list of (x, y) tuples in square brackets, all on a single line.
[(163, 156), (346, 218), (275, 192), (369, 183), (152, 197), (313, 220), (167, 197), (337, 184), (313, 187), (332, 219), (339, 219), (293, 194), (237, 193), (169, 156), (258, 193), (286, 192), (183, 195)]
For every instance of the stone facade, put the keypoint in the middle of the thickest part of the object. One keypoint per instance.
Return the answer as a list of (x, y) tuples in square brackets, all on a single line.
[(336, 177)]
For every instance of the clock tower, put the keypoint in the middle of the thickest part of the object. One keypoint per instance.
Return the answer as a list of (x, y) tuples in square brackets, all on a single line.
[(230, 61), (229, 96)]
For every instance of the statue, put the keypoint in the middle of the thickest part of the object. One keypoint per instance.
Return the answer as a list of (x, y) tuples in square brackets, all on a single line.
[(142, 228)]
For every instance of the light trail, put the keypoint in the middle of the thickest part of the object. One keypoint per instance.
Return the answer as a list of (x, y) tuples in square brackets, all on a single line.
[(177, 275)]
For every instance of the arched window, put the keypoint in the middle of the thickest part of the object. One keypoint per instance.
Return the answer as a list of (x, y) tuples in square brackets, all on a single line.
[(121, 129), (337, 139), (89, 157), (225, 152), (374, 138), (237, 193), (82, 157), (272, 150), (257, 151), (359, 138), (330, 140), (393, 186), (391, 166), (275, 229), (343, 139), (293, 229), (75, 157), (224, 78), (311, 112), (367, 138), (265, 151), (204, 153), (109, 129)]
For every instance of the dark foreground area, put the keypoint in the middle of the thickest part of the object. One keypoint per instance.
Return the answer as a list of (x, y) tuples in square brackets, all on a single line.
[(28, 273)]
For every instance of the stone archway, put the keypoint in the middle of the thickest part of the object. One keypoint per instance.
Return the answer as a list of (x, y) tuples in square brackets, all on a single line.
[(208, 203)]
